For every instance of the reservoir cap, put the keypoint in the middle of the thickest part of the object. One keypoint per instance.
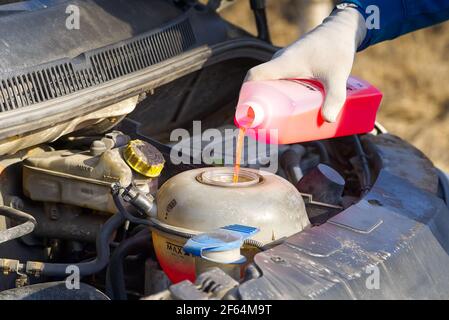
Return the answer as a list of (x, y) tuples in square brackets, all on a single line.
[(144, 158), (221, 245)]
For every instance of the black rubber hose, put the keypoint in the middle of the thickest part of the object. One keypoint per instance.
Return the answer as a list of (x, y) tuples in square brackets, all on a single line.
[(103, 252), (258, 7), (290, 162), (366, 178), (115, 278), (324, 155), (20, 230)]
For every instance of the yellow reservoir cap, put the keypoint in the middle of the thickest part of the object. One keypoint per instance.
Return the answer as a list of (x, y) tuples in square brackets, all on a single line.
[(144, 158)]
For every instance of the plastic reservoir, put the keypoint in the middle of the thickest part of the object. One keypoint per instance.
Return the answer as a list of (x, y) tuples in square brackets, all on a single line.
[(202, 200)]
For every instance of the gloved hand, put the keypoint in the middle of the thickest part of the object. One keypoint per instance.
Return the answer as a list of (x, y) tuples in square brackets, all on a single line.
[(326, 53)]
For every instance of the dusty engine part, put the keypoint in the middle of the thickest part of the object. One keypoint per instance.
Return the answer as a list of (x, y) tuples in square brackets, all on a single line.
[(82, 178), (212, 284), (89, 267), (324, 184), (155, 279), (205, 199), (67, 222), (75, 178)]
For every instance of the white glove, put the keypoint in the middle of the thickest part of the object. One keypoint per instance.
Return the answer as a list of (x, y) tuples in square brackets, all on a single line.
[(326, 53)]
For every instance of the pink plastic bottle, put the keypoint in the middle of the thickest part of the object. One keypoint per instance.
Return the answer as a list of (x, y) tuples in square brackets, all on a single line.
[(289, 111)]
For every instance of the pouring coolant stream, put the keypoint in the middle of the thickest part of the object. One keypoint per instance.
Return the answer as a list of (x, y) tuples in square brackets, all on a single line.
[(238, 153), (289, 111)]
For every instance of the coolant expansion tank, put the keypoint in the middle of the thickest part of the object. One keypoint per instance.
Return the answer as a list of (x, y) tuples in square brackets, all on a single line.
[(205, 199)]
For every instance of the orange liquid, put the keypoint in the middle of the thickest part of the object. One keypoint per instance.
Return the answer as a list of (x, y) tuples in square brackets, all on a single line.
[(244, 124), (238, 154)]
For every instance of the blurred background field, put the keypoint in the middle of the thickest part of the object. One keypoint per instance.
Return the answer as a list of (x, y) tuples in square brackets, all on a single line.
[(411, 71)]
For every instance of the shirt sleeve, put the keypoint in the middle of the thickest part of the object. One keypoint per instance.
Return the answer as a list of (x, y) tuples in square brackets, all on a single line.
[(398, 17)]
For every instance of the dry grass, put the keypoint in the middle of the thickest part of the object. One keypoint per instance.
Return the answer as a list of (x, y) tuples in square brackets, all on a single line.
[(412, 72)]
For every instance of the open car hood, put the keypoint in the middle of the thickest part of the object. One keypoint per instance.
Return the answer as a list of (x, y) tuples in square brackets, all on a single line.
[(53, 75)]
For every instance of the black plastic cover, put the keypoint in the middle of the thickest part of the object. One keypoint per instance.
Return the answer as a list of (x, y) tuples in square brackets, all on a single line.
[(42, 59)]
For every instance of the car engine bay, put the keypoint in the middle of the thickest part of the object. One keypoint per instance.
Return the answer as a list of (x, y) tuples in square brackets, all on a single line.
[(76, 194), (94, 183)]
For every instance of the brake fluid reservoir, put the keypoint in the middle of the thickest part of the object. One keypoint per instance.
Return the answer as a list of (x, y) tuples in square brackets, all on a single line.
[(201, 200), (84, 178)]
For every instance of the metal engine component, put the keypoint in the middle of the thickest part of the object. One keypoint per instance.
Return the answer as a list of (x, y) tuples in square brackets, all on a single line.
[(143, 204), (212, 284), (67, 222), (205, 199), (83, 178)]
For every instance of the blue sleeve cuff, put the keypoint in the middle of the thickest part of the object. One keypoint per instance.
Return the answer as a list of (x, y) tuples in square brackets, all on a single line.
[(398, 17), (391, 15)]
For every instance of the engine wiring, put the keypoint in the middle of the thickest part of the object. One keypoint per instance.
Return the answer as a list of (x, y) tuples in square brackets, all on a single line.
[(20, 230), (366, 174)]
